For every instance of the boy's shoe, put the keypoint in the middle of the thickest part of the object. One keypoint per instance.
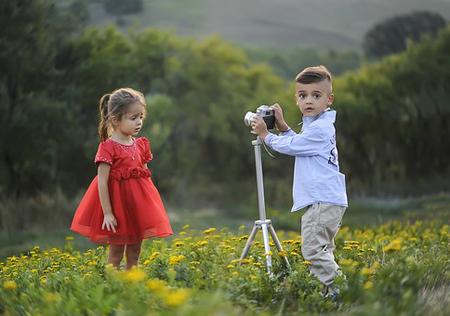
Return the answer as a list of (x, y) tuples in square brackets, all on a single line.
[(330, 291)]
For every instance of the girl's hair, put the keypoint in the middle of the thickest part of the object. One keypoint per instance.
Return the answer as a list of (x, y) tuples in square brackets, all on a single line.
[(115, 104)]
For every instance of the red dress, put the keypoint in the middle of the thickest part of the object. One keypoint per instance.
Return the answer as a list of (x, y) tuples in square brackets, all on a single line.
[(135, 201)]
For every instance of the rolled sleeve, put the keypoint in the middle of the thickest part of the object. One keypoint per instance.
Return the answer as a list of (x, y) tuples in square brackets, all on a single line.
[(309, 143)]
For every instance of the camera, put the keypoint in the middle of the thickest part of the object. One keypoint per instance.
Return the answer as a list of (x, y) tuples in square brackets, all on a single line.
[(264, 111)]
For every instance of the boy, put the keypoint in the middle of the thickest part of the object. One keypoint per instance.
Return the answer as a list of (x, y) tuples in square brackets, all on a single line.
[(318, 186)]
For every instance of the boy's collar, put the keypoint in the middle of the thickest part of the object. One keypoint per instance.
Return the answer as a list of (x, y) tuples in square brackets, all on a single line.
[(309, 119)]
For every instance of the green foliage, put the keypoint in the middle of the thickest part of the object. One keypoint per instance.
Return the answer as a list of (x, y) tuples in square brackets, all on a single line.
[(396, 268), (391, 35), (198, 92), (289, 62)]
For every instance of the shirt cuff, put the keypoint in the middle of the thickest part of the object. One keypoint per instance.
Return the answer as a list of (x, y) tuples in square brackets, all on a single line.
[(268, 139)]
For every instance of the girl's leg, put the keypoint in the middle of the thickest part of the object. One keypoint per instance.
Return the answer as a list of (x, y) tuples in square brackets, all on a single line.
[(132, 252), (115, 255)]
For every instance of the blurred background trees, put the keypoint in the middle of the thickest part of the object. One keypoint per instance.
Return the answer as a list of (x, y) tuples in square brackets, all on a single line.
[(393, 130), (391, 36)]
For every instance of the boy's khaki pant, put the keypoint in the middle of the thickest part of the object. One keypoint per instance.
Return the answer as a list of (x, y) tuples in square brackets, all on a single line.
[(320, 224)]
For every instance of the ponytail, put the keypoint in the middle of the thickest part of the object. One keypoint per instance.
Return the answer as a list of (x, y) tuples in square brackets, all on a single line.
[(103, 122)]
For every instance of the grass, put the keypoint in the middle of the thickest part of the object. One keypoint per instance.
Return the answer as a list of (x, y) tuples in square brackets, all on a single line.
[(362, 212)]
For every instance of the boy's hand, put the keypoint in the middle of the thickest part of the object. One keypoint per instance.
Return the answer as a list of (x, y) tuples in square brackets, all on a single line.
[(279, 118), (259, 127), (109, 221)]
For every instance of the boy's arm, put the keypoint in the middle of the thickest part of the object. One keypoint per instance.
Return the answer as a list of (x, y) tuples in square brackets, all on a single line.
[(309, 143)]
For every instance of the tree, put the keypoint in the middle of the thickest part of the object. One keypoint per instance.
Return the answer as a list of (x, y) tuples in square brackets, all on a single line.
[(32, 121), (391, 36)]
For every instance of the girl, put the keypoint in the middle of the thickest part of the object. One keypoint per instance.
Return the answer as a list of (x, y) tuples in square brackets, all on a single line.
[(122, 206)]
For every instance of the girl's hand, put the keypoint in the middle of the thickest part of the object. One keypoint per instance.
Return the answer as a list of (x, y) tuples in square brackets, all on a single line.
[(109, 221), (259, 126), (279, 118)]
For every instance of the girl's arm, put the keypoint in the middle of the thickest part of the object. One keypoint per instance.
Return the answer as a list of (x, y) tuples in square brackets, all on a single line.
[(109, 221)]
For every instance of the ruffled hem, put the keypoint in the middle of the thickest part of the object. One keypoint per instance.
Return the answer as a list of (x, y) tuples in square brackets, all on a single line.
[(110, 238)]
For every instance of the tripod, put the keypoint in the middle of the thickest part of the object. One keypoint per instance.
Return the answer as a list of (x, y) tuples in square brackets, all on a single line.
[(263, 223)]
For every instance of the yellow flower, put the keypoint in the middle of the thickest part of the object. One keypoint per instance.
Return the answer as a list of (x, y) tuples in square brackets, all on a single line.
[(201, 243), (186, 226), (209, 231), (173, 260), (177, 297), (156, 285), (348, 262), (133, 275), (394, 245), (69, 238), (282, 253), (178, 243), (307, 263), (9, 285), (368, 285)]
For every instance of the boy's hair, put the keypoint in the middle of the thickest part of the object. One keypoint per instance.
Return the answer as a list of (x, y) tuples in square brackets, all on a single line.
[(313, 75), (115, 104)]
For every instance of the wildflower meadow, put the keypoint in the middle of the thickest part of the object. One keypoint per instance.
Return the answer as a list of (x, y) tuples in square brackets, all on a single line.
[(392, 269)]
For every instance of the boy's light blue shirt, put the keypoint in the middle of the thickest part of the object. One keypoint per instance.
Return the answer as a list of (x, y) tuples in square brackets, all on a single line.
[(316, 171)]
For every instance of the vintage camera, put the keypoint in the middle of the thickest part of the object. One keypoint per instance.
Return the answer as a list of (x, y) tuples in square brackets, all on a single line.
[(264, 111)]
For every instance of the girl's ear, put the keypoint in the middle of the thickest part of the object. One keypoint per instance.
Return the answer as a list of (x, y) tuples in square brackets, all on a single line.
[(330, 99), (114, 121)]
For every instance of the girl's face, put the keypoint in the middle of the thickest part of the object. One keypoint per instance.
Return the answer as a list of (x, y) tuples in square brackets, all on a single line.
[(131, 121), (313, 98)]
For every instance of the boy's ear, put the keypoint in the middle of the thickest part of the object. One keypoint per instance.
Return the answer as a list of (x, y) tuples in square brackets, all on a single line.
[(330, 99)]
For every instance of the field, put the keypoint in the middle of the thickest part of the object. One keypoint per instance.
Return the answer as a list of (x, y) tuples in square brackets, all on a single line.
[(282, 23), (399, 267)]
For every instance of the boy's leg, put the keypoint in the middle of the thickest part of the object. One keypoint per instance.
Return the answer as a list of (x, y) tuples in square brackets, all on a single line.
[(132, 252), (115, 255), (320, 224)]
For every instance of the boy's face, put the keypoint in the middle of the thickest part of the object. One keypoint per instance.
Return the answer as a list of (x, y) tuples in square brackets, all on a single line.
[(313, 98)]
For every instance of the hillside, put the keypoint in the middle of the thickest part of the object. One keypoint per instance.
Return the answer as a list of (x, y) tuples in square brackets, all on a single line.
[(335, 24)]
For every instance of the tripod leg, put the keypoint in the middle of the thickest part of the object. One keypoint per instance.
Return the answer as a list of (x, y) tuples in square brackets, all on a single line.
[(278, 244), (249, 242), (267, 248)]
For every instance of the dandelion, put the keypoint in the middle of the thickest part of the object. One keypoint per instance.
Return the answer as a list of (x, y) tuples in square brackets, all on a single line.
[(173, 260), (368, 285), (179, 243), (156, 285), (9, 285), (69, 238), (186, 226), (209, 231), (348, 262), (282, 254), (394, 245), (201, 243), (307, 263), (176, 297), (134, 275)]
